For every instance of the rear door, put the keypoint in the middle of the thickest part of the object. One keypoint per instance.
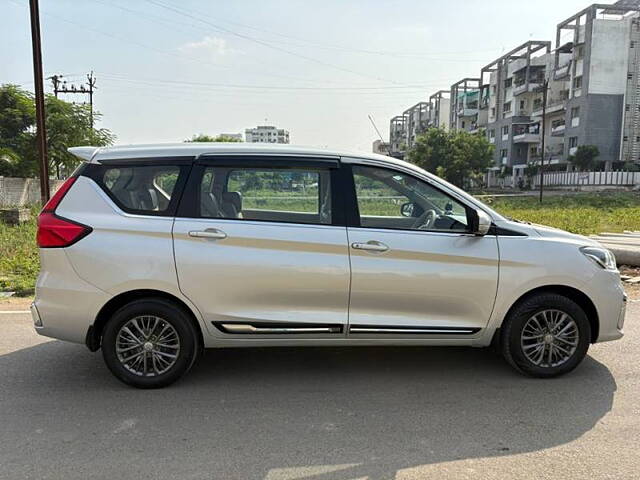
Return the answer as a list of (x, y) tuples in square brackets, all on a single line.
[(261, 246), (416, 270)]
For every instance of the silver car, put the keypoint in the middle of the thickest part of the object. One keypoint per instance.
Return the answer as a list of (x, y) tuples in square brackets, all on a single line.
[(153, 253)]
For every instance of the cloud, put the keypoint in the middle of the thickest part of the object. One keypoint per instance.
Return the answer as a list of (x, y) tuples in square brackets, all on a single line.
[(212, 47)]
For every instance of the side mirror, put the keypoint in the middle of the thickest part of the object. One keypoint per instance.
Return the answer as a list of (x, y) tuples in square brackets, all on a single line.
[(407, 209), (480, 223)]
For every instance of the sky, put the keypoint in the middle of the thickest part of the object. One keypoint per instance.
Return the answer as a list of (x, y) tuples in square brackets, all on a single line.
[(169, 69)]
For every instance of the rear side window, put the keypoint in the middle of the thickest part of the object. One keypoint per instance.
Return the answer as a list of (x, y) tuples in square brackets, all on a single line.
[(145, 189), (294, 195)]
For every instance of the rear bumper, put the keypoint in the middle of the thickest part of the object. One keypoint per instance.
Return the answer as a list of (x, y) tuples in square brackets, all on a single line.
[(65, 305)]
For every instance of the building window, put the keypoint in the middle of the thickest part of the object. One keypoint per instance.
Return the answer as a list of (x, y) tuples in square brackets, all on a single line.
[(508, 82), (575, 112), (506, 107), (627, 107), (505, 130), (577, 82), (573, 142), (493, 111), (630, 76), (492, 133), (625, 139), (523, 104), (504, 153)]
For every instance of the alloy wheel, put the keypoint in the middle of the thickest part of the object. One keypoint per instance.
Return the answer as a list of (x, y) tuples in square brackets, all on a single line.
[(147, 346), (549, 338)]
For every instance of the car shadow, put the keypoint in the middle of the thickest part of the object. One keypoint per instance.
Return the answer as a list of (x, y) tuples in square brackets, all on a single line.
[(270, 413)]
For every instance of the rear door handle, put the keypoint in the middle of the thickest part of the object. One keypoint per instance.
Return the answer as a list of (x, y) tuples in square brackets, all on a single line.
[(208, 233), (371, 246)]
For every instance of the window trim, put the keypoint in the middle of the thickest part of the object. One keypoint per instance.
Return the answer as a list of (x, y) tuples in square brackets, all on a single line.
[(353, 213), (189, 204), (96, 172)]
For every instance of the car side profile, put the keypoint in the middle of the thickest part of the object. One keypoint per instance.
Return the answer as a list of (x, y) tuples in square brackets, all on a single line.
[(152, 253)]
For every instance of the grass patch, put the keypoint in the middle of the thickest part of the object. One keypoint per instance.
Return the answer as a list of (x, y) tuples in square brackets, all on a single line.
[(583, 213), (19, 259)]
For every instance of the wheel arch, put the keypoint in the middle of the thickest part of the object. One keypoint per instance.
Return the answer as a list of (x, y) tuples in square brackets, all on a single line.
[(571, 293), (94, 334)]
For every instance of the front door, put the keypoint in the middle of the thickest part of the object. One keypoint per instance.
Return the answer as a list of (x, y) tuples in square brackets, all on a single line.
[(415, 268), (259, 248)]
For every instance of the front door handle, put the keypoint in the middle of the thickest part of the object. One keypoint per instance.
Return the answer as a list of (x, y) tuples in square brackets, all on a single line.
[(371, 246), (208, 233)]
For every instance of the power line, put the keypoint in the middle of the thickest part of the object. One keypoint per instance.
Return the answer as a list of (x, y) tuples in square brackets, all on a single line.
[(272, 87), (61, 86), (263, 43), (393, 54)]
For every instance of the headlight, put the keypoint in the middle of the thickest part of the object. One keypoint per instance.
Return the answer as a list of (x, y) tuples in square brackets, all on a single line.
[(601, 256)]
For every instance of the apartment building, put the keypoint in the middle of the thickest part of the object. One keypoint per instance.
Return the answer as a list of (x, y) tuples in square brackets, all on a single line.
[(465, 102), (597, 55), (266, 134), (403, 129), (398, 136), (417, 121), (380, 147), (511, 88), (592, 80)]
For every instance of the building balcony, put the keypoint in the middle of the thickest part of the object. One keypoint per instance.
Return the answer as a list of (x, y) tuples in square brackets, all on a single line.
[(558, 130), (532, 86), (562, 71), (467, 112), (526, 138), (551, 108)]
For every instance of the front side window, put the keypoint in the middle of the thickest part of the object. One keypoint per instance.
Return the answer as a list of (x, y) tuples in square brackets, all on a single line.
[(141, 189), (395, 200), (293, 195)]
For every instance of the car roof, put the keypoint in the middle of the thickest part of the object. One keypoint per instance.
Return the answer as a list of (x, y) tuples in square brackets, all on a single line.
[(160, 150)]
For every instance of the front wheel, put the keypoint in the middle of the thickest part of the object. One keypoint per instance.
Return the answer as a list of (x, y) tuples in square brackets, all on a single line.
[(546, 335), (149, 343)]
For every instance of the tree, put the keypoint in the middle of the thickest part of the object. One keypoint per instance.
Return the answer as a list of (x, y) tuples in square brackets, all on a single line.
[(208, 138), (585, 157), (68, 125), (457, 156)]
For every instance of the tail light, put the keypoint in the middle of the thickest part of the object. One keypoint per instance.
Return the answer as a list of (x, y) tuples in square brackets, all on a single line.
[(55, 231)]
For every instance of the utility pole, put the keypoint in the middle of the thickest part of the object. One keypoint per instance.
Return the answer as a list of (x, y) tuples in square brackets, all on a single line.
[(38, 77), (545, 87), (60, 86)]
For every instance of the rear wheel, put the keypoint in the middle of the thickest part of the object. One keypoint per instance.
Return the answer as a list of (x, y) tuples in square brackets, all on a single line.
[(546, 335), (149, 343)]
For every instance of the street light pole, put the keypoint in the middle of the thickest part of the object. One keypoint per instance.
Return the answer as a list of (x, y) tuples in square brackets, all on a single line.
[(544, 120), (41, 132)]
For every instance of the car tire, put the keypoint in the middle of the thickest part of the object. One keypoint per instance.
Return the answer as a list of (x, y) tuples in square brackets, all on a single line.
[(150, 343), (545, 335)]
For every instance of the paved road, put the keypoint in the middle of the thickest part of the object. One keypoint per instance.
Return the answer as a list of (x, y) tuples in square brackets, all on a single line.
[(318, 414)]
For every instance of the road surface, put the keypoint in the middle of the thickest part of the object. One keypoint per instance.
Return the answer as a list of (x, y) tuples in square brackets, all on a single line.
[(318, 414)]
